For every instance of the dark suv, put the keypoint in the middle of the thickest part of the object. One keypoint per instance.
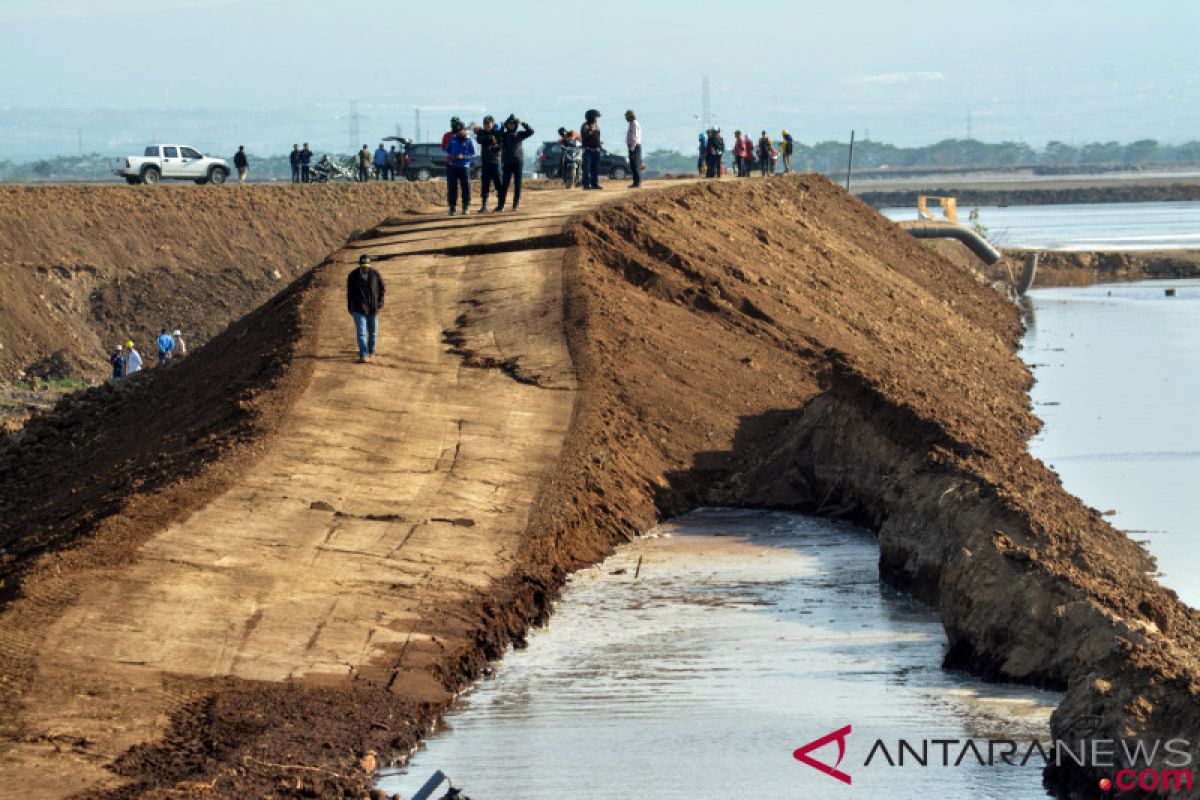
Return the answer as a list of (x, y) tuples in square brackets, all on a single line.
[(549, 162), (427, 161)]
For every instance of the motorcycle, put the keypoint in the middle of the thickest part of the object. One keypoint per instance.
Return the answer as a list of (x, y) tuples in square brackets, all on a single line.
[(572, 163), (327, 170)]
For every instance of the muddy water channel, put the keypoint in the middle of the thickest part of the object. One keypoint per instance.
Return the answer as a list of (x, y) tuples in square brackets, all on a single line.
[(1118, 387), (743, 636)]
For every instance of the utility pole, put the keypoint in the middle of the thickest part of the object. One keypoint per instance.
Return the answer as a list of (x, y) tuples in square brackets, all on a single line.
[(79, 133), (850, 161), (416, 124), (705, 104), (353, 121)]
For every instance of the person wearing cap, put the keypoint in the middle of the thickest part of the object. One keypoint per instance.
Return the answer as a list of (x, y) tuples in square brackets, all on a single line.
[(364, 301), (590, 135), (488, 139), (180, 345), (459, 152), (785, 147), (133, 359), (117, 360), (512, 159), (633, 140), (166, 343)]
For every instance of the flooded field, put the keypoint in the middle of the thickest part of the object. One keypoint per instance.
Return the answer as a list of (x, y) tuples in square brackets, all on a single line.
[(743, 636), (1085, 226), (1118, 382)]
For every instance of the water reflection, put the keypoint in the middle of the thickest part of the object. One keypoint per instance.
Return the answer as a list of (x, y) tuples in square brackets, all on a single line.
[(1118, 376), (746, 635)]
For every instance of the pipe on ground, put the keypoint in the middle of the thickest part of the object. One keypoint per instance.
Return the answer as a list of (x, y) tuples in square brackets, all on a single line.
[(981, 247), (1031, 264)]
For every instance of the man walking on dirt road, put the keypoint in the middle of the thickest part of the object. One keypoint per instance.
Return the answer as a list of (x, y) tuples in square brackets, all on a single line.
[(633, 140), (364, 300)]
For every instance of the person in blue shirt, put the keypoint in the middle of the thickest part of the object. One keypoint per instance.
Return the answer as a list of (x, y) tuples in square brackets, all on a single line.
[(702, 161), (459, 152), (382, 165), (166, 343)]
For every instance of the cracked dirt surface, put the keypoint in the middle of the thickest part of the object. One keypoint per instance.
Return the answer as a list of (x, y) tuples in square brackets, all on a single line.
[(396, 488)]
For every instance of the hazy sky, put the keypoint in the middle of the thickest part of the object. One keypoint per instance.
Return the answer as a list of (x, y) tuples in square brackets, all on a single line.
[(904, 72)]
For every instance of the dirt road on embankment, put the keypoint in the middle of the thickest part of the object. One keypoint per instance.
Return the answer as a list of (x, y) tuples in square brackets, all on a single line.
[(296, 560)]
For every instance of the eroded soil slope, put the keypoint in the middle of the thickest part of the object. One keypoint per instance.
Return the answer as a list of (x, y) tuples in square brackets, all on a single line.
[(777, 344)]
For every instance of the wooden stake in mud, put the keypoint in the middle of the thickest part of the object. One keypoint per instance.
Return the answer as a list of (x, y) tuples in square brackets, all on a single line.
[(638, 570), (850, 161)]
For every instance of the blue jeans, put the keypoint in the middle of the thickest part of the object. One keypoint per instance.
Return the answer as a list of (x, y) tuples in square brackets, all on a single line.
[(591, 167), (367, 326)]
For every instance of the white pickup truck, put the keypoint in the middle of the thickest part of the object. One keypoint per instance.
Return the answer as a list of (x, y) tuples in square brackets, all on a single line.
[(171, 162)]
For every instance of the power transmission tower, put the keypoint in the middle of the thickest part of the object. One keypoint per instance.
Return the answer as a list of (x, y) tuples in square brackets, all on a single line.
[(353, 120), (705, 104)]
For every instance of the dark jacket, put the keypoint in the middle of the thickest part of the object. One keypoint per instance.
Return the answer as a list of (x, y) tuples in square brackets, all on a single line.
[(305, 156), (364, 294), (239, 159), (294, 158), (489, 145), (590, 134), (510, 144)]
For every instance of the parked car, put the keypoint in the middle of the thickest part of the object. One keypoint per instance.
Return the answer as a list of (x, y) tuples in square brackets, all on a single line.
[(549, 162), (428, 161), (171, 162)]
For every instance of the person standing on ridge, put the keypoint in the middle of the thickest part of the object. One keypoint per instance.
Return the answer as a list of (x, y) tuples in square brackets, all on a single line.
[(488, 139), (133, 359), (748, 154), (381, 163), (117, 360), (395, 164), (242, 163), (459, 152), (786, 147), (455, 124), (180, 345), (294, 160), (166, 343), (702, 159), (739, 156), (764, 154), (716, 152), (633, 140), (364, 301), (590, 136), (512, 159), (364, 164), (305, 159)]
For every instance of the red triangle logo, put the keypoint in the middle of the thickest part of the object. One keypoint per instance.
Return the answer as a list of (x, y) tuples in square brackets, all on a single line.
[(801, 754)]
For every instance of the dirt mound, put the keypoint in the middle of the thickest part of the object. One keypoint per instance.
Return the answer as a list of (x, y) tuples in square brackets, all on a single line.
[(84, 268), (777, 344), (753, 342)]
